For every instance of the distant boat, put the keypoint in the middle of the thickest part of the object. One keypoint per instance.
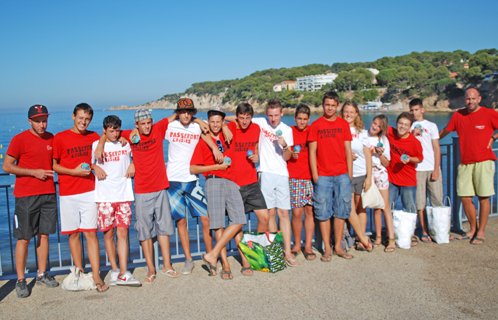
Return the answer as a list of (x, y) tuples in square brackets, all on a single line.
[(150, 110)]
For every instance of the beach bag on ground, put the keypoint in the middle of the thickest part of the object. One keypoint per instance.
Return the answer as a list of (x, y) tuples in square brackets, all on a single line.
[(347, 242), (404, 228), (264, 251), (439, 222), (78, 281), (372, 198)]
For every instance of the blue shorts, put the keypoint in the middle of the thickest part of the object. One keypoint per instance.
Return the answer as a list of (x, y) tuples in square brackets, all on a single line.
[(187, 197), (408, 197), (332, 197)]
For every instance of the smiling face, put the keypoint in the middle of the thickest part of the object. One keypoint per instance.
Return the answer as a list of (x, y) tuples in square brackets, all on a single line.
[(472, 100), (375, 127), (274, 115), (185, 116), (215, 123), (330, 108), (81, 120), (244, 120), (144, 126), (403, 127), (302, 120), (38, 125), (349, 114)]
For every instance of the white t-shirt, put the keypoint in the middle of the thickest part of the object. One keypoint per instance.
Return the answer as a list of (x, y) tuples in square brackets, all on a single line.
[(375, 156), (270, 152), (359, 140), (182, 141), (429, 132), (116, 187)]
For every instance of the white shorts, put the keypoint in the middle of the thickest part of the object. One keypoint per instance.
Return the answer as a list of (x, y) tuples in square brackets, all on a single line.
[(78, 213), (275, 189)]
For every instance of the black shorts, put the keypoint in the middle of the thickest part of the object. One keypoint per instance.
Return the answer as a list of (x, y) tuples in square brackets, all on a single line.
[(252, 197), (34, 215)]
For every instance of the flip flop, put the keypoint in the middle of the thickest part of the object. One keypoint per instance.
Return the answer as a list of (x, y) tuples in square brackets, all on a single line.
[(295, 253), (390, 250), (452, 238), (152, 279), (463, 237), (309, 255), (477, 243), (209, 266), (328, 258), (171, 273), (288, 262), (345, 255), (414, 240), (246, 274), (426, 239), (230, 277), (101, 284), (360, 247)]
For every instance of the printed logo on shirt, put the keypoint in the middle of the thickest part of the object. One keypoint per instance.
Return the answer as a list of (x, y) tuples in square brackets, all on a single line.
[(244, 146), (183, 137), (270, 135), (480, 127), (142, 145), (82, 151), (329, 133), (114, 155), (49, 147), (399, 151)]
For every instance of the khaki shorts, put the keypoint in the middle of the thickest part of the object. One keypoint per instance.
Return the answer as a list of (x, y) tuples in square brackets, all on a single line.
[(426, 185), (476, 179)]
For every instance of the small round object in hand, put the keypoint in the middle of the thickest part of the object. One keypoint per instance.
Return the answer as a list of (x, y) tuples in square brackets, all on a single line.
[(250, 153), (228, 160), (85, 166), (404, 157), (135, 139), (279, 133), (297, 148), (380, 145)]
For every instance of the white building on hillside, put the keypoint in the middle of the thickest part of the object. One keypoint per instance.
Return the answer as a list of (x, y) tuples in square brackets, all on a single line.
[(313, 83), (277, 87)]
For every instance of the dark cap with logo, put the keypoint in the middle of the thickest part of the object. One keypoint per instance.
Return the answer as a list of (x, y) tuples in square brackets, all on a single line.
[(216, 111), (185, 104), (37, 110)]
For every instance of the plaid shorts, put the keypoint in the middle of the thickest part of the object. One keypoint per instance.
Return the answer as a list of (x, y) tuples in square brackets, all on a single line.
[(301, 193)]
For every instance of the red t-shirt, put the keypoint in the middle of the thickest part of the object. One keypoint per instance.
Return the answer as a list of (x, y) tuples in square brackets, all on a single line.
[(300, 168), (203, 155), (32, 152), (243, 168), (330, 151), (474, 130), (148, 156), (72, 149), (401, 174)]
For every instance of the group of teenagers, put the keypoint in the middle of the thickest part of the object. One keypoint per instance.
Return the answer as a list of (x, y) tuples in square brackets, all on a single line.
[(313, 171)]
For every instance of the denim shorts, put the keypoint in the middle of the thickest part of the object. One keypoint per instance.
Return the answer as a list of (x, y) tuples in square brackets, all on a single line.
[(332, 197), (408, 197)]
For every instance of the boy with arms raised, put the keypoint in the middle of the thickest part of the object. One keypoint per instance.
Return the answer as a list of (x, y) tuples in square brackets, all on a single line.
[(221, 191), (29, 157), (245, 156), (71, 159), (331, 164), (113, 194)]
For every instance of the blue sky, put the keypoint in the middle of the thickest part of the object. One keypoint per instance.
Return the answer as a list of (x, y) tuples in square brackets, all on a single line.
[(109, 53)]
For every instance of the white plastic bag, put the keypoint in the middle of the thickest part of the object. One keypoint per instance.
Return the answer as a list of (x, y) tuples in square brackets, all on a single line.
[(78, 281), (372, 198), (404, 228), (439, 220)]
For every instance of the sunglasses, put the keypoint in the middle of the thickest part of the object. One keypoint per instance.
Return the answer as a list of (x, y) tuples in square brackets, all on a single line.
[(220, 146)]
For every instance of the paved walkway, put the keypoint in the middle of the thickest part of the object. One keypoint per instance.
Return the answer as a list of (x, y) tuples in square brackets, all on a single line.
[(430, 281)]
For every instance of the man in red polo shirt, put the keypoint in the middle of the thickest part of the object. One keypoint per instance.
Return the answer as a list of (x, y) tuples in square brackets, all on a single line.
[(475, 126), (29, 157)]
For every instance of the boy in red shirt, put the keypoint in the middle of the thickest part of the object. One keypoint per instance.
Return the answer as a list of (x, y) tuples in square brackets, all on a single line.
[(222, 192), (406, 152), (331, 164), (475, 126), (71, 160), (29, 157), (301, 187)]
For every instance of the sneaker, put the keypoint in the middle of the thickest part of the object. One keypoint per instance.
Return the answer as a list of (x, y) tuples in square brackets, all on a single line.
[(126, 279), (114, 277), (22, 288), (188, 267), (46, 280)]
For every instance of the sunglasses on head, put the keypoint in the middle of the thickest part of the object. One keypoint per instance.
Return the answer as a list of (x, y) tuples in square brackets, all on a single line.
[(220, 146)]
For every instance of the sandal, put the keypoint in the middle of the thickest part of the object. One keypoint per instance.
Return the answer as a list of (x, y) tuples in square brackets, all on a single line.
[(229, 273), (289, 262), (310, 256), (246, 269), (390, 249), (171, 273), (414, 242), (326, 258), (377, 242), (210, 267), (152, 279), (100, 285), (425, 238), (346, 255)]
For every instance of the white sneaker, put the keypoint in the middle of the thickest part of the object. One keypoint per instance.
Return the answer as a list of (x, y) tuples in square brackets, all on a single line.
[(114, 277), (126, 279)]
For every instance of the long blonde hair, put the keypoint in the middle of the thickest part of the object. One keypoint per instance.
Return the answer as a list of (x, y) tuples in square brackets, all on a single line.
[(384, 124), (358, 122)]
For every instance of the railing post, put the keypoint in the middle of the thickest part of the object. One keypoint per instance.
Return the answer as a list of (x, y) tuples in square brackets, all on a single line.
[(456, 201)]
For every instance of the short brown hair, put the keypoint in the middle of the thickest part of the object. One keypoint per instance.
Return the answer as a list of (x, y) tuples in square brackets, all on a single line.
[(274, 104)]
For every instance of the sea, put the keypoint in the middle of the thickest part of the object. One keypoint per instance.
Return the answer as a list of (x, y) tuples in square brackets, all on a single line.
[(14, 123)]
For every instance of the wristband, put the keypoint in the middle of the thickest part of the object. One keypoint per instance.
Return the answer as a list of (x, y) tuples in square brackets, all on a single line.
[(493, 137)]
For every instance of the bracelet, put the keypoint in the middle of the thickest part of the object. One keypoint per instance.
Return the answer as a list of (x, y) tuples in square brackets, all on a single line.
[(493, 137), (285, 148)]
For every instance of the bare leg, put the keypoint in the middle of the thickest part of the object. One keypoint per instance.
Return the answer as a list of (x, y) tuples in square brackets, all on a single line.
[(42, 252), (21, 256), (297, 227), (377, 222), (338, 230), (147, 247), (164, 243), (110, 247), (309, 227), (484, 210), (355, 223), (75, 248), (122, 234), (388, 219), (285, 226), (184, 238), (470, 212), (272, 222), (206, 233), (221, 243), (224, 257), (92, 248), (325, 230), (422, 218), (245, 262), (263, 219)]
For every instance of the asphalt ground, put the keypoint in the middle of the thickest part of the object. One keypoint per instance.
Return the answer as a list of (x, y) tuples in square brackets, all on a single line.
[(430, 281)]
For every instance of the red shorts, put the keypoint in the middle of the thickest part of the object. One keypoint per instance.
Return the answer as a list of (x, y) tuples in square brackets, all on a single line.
[(114, 214)]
